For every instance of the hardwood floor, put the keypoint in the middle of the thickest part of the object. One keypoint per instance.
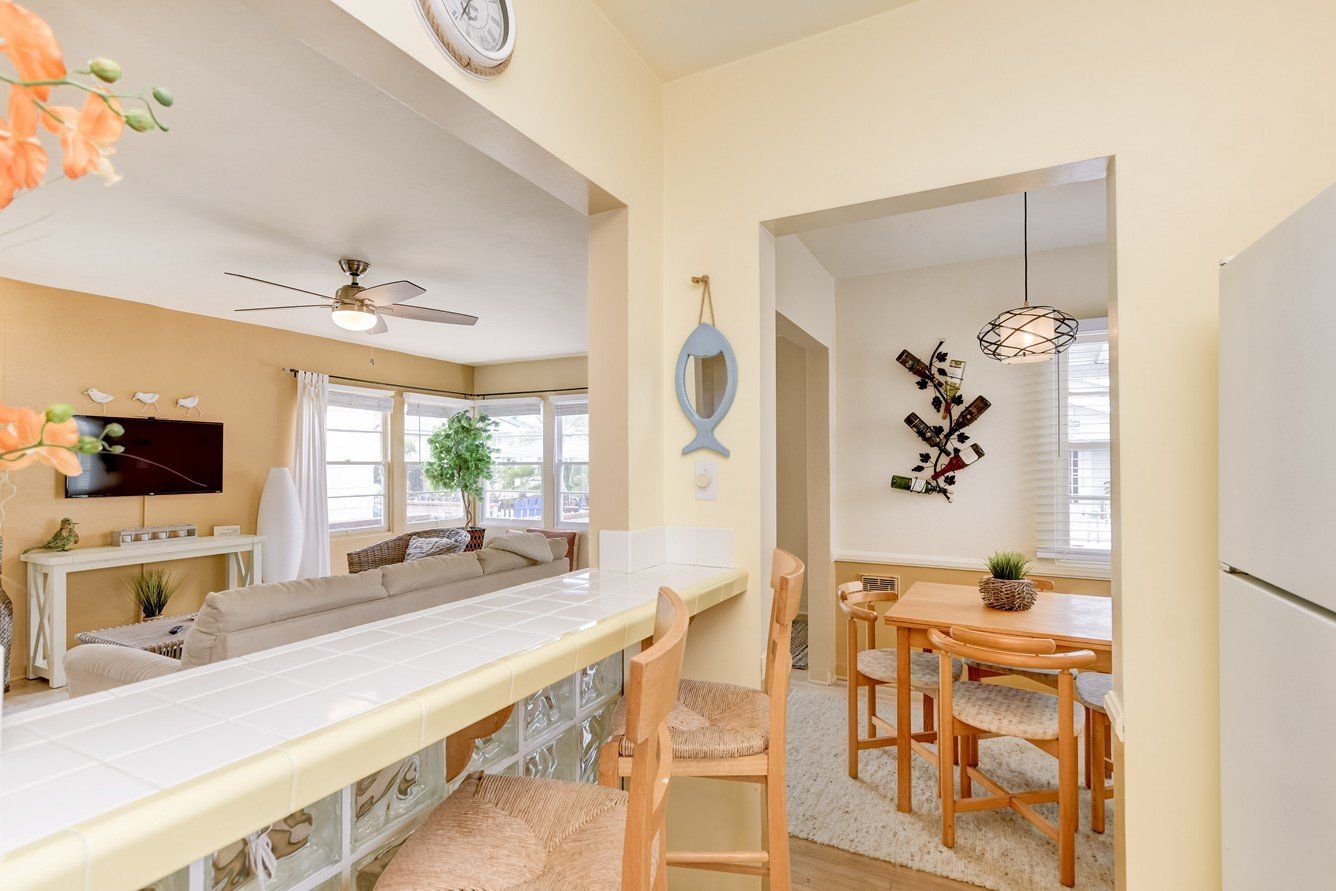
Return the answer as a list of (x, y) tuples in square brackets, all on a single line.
[(821, 866)]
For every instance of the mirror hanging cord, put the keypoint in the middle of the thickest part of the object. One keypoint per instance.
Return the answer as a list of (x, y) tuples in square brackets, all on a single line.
[(705, 298)]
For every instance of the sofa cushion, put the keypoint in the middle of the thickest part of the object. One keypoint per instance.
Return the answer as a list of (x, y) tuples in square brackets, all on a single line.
[(226, 612), (430, 572), (423, 546), (494, 560), (533, 546)]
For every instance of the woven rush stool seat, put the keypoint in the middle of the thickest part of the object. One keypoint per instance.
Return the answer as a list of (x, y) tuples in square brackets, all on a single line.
[(709, 720), (500, 832), (880, 664), (1008, 711), (1091, 688)]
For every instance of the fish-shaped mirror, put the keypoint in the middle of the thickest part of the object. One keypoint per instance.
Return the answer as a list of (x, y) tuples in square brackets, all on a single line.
[(707, 379)]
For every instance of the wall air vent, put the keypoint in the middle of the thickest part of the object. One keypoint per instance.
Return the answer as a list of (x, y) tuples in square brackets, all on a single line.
[(889, 583)]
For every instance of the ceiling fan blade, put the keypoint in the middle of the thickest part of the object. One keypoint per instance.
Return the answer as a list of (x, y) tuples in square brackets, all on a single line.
[(380, 327), (392, 292), (277, 285), (425, 314), (299, 306)]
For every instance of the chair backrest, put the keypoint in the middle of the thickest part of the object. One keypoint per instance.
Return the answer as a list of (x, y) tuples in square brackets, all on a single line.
[(651, 689), (857, 606), (1011, 651)]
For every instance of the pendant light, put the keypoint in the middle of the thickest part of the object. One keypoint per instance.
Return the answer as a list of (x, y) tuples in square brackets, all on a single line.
[(1027, 333)]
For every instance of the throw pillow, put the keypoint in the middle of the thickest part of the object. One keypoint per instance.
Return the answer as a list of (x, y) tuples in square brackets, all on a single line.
[(422, 546), (532, 546)]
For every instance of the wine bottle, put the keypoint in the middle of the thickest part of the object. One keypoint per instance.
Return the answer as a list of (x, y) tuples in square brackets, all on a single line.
[(915, 365), (971, 413), (914, 484), (925, 433), (958, 462)]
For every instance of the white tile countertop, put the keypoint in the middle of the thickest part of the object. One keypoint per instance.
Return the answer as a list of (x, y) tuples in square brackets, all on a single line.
[(165, 770)]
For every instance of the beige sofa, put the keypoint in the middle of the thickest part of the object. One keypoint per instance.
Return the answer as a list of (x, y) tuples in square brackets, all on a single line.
[(247, 620)]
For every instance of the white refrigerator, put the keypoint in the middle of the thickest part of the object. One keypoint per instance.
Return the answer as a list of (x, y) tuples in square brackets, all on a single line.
[(1278, 556)]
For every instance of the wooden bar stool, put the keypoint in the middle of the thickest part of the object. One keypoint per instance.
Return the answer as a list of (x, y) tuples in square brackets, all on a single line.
[(1091, 688), (510, 832), (732, 733), (872, 667), (969, 710)]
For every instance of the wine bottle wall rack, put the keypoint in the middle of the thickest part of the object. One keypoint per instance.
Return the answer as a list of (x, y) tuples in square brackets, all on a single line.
[(949, 447)]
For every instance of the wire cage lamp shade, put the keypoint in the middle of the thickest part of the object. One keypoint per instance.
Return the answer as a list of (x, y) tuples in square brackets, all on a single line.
[(1027, 333)]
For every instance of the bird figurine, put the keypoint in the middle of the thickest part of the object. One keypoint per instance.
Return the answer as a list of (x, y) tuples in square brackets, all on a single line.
[(148, 400), (98, 398), (62, 539), (190, 404)]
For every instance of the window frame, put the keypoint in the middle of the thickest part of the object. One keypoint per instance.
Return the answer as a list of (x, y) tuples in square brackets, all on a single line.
[(543, 464), (1056, 506), (409, 397), (386, 465), (559, 463)]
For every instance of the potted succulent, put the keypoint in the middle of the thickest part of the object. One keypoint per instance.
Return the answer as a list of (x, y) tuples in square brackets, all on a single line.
[(1006, 586), (461, 458), (150, 589)]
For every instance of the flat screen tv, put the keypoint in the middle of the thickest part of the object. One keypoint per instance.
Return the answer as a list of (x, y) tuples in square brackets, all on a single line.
[(162, 457)]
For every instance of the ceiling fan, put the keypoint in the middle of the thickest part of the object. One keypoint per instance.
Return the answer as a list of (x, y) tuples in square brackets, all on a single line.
[(355, 308)]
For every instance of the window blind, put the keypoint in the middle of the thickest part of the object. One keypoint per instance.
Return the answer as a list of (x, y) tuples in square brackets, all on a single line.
[(510, 408), (424, 405), (1073, 469), (565, 406), (359, 398)]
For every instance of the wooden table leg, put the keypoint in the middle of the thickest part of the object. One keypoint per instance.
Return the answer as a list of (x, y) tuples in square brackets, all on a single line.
[(903, 725)]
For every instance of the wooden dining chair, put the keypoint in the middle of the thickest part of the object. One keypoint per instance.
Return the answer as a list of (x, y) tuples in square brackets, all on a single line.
[(1091, 688), (970, 710), (508, 832), (732, 733), (871, 667)]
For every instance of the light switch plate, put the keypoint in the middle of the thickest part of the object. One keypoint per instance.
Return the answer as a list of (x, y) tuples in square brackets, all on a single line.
[(706, 481), (226, 530)]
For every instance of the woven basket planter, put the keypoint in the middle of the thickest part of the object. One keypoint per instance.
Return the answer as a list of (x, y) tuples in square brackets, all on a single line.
[(1013, 595), (476, 535)]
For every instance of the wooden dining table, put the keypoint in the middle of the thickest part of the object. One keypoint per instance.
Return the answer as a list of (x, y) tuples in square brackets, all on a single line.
[(1072, 621)]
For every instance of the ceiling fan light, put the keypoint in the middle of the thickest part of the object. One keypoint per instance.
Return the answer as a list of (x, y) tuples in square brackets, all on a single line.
[(1027, 334), (353, 318)]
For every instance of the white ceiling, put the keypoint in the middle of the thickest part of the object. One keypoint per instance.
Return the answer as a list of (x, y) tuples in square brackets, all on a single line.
[(681, 37), (278, 163), (1060, 216)]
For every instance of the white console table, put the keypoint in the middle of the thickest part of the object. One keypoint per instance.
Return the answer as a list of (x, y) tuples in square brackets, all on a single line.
[(49, 570)]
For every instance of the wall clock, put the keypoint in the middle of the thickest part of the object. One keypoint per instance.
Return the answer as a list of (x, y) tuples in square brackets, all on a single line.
[(477, 35)]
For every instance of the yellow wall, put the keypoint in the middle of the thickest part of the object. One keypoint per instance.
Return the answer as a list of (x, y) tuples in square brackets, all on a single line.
[(59, 343), (539, 374), (1218, 132)]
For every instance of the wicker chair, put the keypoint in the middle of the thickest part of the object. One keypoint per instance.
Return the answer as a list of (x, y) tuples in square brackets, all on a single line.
[(389, 552)]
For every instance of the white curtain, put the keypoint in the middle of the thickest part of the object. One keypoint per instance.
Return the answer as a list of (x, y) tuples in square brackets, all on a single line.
[(308, 465)]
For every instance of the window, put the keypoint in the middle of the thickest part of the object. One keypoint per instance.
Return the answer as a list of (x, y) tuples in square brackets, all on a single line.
[(571, 460), (423, 415), (356, 463), (1075, 468), (515, 491)]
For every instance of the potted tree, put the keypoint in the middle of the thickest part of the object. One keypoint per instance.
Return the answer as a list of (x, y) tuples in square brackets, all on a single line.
[(461, 458)]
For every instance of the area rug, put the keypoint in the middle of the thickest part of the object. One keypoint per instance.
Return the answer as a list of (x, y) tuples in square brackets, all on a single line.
[(995, 849), (798, 643)]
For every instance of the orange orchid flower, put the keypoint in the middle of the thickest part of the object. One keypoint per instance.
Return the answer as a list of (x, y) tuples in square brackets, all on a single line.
[(30, 437), (22, 163), (87, 137), (31, 46)]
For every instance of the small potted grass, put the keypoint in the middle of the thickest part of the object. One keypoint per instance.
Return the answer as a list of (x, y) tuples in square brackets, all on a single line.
[(1006, 586), (150, 590)]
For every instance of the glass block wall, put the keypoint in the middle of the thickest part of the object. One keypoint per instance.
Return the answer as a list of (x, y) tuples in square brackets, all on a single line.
[(344, 842)]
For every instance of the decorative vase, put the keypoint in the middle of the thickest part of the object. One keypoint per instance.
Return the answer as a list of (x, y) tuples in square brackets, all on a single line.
[(6, 625), (1013, 595), (476, 536), (280, 522)]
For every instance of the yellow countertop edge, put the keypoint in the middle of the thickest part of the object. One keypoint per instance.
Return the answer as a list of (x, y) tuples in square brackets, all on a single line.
[(156, 835)]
